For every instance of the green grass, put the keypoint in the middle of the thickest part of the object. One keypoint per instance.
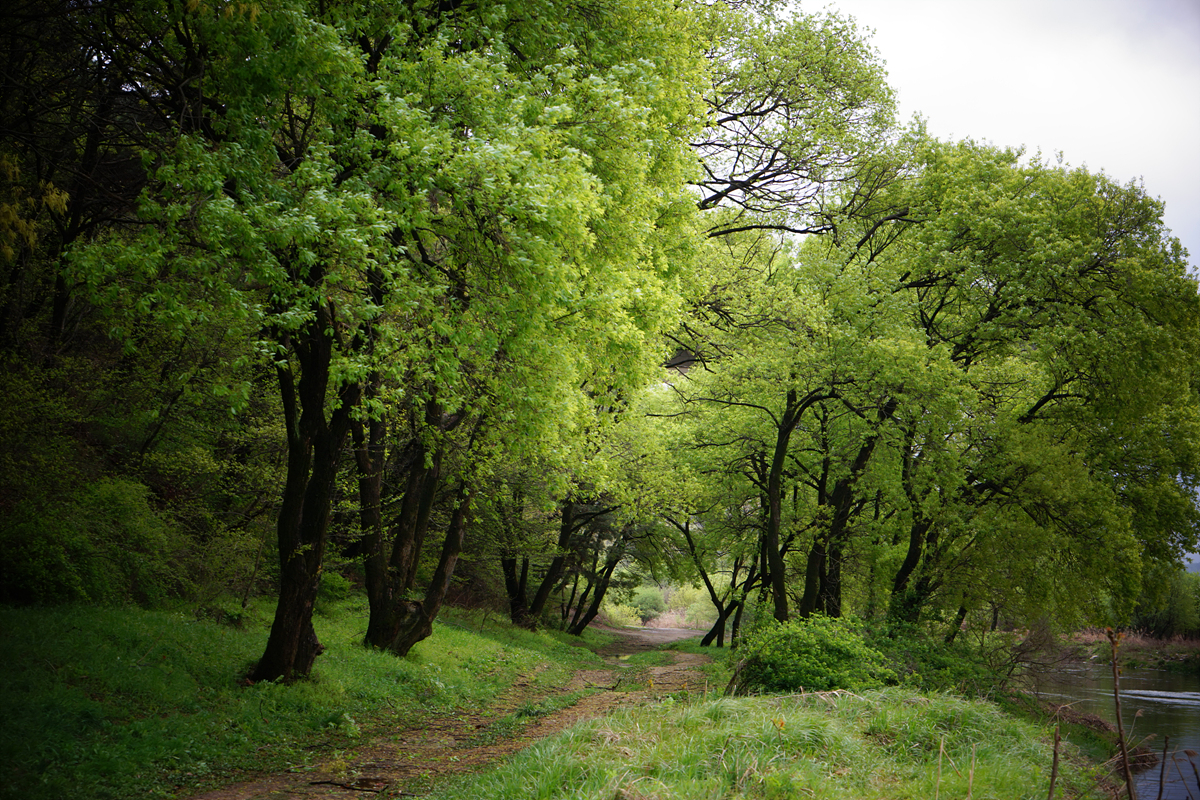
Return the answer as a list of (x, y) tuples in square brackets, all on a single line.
[(125, 703), (115, 703), (877, 745), (513, 724)]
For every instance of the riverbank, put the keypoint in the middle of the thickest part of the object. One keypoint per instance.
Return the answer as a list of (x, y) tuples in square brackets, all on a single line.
[(1160, 706), (1138, 650), (884, 744)]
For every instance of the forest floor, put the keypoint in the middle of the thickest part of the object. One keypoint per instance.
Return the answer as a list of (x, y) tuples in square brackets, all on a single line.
[(408, 762)]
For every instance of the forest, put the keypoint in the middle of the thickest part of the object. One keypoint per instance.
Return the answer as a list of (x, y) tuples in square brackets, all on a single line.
[(519, 305)]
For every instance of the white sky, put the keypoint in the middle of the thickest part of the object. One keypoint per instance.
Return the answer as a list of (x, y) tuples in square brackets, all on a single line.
[(1113, 84)]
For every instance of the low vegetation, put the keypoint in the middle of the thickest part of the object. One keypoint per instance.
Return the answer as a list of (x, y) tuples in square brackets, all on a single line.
[(891, 743), (123, 702), (817, 654)]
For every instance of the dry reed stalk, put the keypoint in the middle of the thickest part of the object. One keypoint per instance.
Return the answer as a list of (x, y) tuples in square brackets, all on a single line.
[(1190, 754), (1162, 773), (971, 772), (937, 789), (1114, 639), (1054, 765)]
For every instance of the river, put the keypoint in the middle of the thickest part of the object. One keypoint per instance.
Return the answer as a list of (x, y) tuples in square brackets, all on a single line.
[(1153, 701)]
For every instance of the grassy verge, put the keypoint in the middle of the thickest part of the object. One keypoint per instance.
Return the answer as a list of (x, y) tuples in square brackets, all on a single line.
[(891, 744), (123, 703)]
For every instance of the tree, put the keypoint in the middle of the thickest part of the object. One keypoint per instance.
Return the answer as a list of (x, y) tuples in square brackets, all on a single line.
[(935, 396), (417, 215), (798, 113), (1036, 284)]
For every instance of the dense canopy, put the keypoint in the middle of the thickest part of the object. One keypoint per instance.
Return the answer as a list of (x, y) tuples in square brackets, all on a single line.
[(386, 290)]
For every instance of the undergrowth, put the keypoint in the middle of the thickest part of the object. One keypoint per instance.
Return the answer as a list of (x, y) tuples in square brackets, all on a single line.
[(123, 702)]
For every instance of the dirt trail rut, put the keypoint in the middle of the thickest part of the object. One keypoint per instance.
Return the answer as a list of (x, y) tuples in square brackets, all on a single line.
[(405, 762)]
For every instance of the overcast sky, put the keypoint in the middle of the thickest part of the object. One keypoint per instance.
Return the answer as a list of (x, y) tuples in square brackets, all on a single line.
[(1113, 84)]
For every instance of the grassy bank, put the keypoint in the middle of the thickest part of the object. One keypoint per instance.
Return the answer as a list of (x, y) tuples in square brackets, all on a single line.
[(890, 744), (124, 703)]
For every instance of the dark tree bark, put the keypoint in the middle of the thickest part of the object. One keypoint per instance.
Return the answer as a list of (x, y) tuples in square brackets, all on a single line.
[(414, 619), (823, 573), (390, 578), (775, 568), (566, 529), (314, 449), (600, 586), (515, 588)]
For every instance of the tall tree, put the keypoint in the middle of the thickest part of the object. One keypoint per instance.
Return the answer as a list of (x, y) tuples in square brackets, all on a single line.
[(417, 213)]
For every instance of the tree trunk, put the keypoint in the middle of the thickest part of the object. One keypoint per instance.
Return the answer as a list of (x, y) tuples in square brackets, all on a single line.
[(959, 619), (814, 566), (390, 579), (514, 587), (415, 618), (823, 575), (566, 529), (831, 585), (717, 631), (775, 565), (735, 632), (314, 448), (601, 587)]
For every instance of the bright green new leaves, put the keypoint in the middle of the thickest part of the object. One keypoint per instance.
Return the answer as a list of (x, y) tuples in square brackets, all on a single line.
[(439, 215), (981, 399)]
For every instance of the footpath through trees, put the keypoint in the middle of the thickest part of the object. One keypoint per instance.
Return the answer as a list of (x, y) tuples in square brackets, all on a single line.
[(409, 761)]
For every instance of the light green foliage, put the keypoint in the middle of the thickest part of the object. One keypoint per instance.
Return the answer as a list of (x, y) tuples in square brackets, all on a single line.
[(880, 745), (814, 654), (694, 603), (620, 615), (649, 602)]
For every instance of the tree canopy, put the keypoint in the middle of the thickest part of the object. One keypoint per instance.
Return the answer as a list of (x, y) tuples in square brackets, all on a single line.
[(389, 288)]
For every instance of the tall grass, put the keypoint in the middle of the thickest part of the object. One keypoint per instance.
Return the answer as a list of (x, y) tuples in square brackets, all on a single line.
[(891, 744), (124, 703)]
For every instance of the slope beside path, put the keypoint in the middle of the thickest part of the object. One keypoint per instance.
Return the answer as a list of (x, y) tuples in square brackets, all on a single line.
[(407, 762)]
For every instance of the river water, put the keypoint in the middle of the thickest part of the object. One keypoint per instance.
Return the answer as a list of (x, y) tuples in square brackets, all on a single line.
[(1153, 702)]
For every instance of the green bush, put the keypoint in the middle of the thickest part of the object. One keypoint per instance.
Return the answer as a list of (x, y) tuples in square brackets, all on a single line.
[(648, 600), (104, 544), (619, 616), (815, 654), (934, 665)]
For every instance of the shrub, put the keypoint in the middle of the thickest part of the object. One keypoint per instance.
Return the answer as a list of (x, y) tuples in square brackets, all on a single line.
[(648, 600), (619, 616), (816, 654), (104, 544), (934, 665)]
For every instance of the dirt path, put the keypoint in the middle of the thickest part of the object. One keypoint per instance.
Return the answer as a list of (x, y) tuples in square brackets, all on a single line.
[(405, 763)]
